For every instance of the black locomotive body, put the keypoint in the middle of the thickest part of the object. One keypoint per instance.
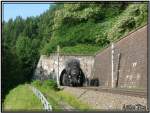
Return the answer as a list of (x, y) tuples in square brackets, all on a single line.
[(72, 75)]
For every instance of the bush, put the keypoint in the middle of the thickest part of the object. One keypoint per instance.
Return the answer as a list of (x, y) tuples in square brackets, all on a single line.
[(48, 84), (37, 83)]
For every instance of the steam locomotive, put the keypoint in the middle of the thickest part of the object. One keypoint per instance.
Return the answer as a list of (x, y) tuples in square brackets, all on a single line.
[(72, 75)]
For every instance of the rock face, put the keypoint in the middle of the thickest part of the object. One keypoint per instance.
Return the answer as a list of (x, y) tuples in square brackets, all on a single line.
[(47, 67)]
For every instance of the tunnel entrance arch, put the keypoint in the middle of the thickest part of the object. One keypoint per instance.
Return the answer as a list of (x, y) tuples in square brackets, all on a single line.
[(50, 63), (62, 75)]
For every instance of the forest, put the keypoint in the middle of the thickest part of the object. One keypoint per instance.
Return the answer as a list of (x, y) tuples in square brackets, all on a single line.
[(78, 28)]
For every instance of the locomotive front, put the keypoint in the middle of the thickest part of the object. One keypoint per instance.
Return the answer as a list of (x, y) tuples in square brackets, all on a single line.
[(73, 75)]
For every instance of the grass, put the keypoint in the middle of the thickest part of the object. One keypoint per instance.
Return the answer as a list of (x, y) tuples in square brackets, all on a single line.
[(49, 93), (73, 101), (54, 96), (22, 98), (78, 49)]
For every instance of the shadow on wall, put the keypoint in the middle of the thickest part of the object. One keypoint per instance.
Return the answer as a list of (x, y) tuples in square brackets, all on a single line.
[(94, 82), (91, 82), (42, 74)]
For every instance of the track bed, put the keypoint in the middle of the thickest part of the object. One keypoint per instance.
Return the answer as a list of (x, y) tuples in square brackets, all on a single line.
[(136, 93)]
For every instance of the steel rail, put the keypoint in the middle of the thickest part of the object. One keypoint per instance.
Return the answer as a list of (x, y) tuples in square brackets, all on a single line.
[(135, 93)]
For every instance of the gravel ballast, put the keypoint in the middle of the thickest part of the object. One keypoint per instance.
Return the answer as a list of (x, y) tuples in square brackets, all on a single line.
[(103, 100)]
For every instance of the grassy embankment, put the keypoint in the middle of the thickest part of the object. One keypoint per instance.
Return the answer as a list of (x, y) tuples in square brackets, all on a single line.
[(22, 98), (56, 96)]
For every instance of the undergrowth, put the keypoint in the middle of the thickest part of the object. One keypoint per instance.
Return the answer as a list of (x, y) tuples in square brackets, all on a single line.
[(56, 95)]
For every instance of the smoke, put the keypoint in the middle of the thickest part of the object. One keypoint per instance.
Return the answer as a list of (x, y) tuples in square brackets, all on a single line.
[(72, 62)]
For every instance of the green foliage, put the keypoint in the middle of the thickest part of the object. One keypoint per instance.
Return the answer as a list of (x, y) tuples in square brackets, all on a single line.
[(37, 83), (48, 48), (48, 84), (11, 71), (27, 51), (23, 48), (80, 49), (73, 101), (22, 98), (49, 92), (20, 52), (55, 97), (93, 24), (134, 16)]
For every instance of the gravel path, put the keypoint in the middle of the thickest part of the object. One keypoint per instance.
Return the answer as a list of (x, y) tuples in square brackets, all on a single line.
[(103, 100)]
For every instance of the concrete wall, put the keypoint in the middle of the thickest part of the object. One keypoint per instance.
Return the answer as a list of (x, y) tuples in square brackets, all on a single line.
[(131, 69), (48, 66)]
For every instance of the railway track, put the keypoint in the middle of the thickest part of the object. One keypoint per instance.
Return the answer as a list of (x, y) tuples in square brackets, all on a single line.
[(135, 93)]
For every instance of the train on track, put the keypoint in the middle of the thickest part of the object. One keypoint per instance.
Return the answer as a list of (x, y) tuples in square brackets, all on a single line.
[(72, 75)]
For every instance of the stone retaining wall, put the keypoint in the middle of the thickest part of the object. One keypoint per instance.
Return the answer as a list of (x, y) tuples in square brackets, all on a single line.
[(48, 66), (130, 69)]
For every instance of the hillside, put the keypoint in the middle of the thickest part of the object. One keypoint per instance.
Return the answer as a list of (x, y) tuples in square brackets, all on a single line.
[(22, 98), (86, 28), (82, 28)]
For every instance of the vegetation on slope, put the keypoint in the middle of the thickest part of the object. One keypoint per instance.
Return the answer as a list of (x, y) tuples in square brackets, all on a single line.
[(22, 98), (56, 96), (78, 28), (93, 24)]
